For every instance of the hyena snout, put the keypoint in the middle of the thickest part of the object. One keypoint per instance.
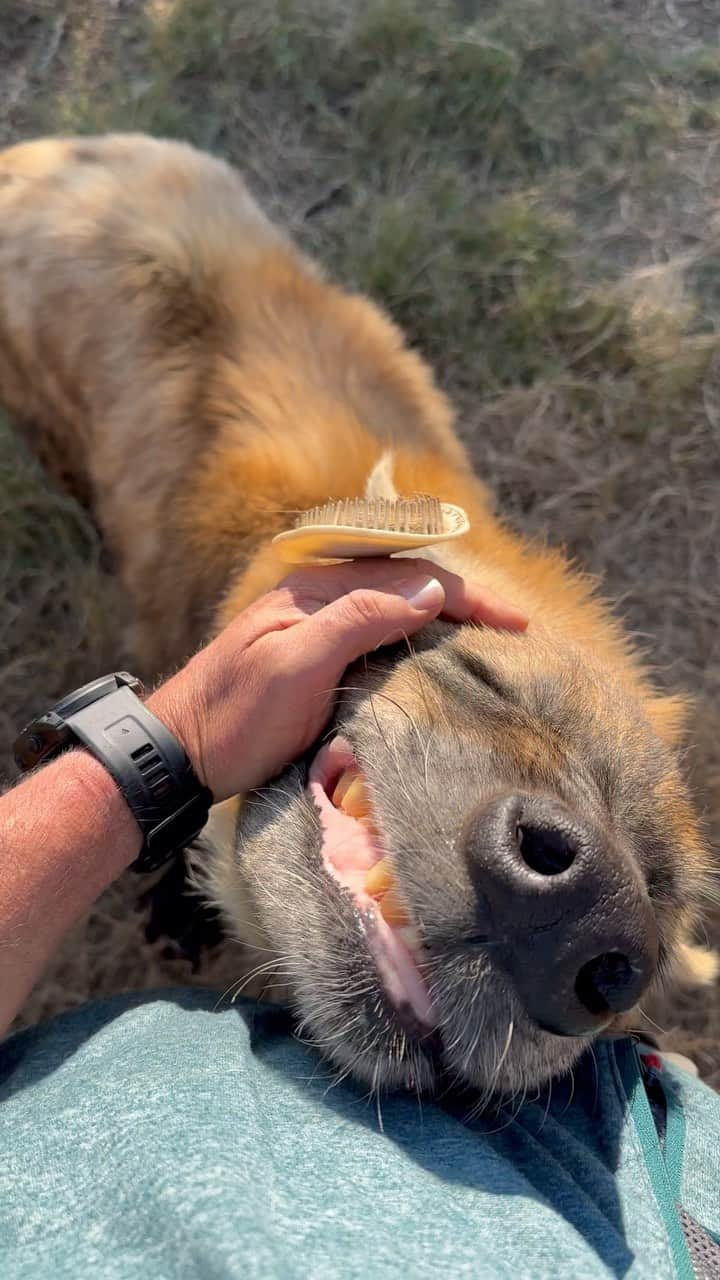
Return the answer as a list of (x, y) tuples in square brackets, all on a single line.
[(563, 910)]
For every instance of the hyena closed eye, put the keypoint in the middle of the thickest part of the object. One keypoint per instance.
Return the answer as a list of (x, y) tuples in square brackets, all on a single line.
[(493, 856)]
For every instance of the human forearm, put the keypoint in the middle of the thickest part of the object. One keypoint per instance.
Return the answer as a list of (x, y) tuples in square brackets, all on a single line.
[(65, 834)]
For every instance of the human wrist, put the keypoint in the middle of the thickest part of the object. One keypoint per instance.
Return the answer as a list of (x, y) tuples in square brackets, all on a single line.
[(204, 709), (174, 705), (86, 777)]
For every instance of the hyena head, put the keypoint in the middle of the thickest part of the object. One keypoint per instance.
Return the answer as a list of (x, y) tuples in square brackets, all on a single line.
[(487, 862)]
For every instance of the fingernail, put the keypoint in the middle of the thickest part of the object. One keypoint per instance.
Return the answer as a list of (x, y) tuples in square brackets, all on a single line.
[(421, 593)]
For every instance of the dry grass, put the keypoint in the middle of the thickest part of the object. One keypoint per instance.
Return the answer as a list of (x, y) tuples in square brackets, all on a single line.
[(530, 187)]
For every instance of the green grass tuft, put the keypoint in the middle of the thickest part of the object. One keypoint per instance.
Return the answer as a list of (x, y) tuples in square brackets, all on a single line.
[(58, 617)]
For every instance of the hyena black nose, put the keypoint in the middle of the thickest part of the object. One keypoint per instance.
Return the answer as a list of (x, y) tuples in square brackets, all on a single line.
[(564, 912)]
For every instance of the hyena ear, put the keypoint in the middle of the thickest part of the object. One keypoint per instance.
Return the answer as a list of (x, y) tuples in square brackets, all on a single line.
[(695, 965), (380, 482)]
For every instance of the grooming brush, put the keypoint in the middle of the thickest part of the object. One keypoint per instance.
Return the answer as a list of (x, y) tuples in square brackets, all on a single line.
[(357, 527)]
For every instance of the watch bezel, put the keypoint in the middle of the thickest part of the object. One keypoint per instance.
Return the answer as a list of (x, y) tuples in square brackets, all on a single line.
[(92, 691), (48, 734)]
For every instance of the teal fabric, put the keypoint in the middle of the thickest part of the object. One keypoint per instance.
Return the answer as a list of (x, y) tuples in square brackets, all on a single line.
[(157, 1137), (662, 1166)]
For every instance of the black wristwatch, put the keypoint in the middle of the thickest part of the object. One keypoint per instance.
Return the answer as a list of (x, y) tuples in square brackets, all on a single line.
[(149, 765)]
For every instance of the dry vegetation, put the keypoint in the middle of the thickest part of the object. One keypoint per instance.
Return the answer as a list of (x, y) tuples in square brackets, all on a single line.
[(531, 187)]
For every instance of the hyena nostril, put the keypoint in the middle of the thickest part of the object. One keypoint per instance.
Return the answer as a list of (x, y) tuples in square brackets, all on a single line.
[(547, 850), (572, 926), (607, 984)]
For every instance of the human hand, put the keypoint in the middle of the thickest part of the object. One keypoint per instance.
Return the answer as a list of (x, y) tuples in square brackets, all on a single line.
[(260, 693)]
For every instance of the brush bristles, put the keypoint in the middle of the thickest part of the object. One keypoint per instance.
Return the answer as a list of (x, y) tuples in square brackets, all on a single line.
[(419, 514)]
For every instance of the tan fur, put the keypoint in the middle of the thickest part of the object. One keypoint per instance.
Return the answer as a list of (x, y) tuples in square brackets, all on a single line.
[(190, 374)]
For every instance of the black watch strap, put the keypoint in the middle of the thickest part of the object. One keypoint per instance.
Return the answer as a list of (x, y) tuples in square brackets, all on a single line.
[(147, 762)]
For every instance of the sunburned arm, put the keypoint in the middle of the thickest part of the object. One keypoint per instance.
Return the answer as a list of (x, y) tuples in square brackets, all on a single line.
[(65, 834)]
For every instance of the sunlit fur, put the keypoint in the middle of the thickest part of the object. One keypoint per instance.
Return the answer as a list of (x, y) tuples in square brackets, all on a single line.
[(191, 376)]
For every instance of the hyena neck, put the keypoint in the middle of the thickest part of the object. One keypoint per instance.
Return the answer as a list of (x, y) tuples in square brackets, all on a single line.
[(282, 491), (557, 598), (252, 494), (317, 386)]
